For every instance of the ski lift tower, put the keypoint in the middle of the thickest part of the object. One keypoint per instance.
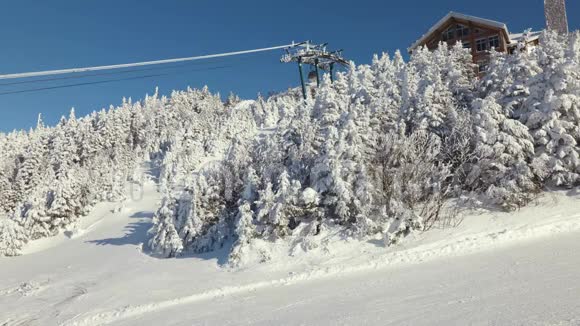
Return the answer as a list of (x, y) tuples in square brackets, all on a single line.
[(316, 56)]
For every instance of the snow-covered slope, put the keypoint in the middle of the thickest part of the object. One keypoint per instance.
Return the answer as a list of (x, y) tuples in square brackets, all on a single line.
[(518, 268), (300, 197)]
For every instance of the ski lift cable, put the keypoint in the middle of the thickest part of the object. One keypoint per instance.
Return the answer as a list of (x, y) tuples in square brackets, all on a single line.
[(44, 80), (140, 64), (108, 80)]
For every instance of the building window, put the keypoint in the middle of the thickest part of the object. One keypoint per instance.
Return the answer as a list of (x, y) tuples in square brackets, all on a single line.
[(456, 31), (482, 45), (449, 34), (483, 66), (462, 31), (466, 45), (494, 42)]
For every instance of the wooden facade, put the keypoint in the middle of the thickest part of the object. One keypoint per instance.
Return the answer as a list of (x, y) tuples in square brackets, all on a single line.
[(477, 34)]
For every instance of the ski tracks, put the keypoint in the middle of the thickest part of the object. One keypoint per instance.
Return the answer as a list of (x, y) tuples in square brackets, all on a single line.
[(34, 291), (466, 244)]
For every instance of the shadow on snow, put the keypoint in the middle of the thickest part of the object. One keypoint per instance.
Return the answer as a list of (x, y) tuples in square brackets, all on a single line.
[(219, 255), (136, 234)]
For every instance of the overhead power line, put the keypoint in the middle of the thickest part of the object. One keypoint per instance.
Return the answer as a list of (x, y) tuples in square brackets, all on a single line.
[(140, 64)]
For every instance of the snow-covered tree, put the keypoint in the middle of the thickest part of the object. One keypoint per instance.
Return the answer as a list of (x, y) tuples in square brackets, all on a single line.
[(245, 231), (382, 148), (13, 237), (504, 150), (552, 110), (165, 240)]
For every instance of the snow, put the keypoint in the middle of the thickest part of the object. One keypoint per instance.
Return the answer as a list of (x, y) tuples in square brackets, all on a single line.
[(318, 215), (518, 37), (494, 267), (505, 287), (310, 196), (244, 105)]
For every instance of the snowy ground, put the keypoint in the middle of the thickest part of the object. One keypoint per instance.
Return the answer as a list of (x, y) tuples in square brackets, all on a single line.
[(495, 268)]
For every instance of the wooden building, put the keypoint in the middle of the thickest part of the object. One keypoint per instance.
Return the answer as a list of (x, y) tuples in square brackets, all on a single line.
[(477, 34)]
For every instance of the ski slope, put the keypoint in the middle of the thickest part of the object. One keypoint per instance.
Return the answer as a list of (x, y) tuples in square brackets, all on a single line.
[(494, 269)]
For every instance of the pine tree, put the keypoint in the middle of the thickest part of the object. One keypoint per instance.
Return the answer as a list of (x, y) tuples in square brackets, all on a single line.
[(245, 231), (552, 110), (387, 83), (66, 204), (165, 240), (504, 149), (33, 162), (34, 216), (265, 204), (13, 237), (7, 195), (460, 74), (409, 101)]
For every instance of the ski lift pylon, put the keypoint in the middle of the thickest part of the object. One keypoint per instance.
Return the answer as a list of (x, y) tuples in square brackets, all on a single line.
[(315, 55)]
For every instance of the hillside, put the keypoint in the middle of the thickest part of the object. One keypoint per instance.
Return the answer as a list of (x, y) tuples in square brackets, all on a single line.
[(494, 267), (160, 208), (386, 149)]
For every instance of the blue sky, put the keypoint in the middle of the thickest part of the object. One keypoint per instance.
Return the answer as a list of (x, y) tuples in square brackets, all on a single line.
[(40, 35)]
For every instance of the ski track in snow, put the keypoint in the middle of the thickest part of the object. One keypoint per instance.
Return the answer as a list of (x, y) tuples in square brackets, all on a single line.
[(24, 289), (466, 244), (52, 309)]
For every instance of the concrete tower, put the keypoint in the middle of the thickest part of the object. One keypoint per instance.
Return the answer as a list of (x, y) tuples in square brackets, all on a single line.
[(556, 18)]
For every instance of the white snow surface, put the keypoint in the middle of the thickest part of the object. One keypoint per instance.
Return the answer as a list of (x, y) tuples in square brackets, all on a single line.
[(495, 268)]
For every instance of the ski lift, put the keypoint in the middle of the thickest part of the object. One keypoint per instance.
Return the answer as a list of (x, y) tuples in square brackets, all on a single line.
[(315, 55), (312, 76)]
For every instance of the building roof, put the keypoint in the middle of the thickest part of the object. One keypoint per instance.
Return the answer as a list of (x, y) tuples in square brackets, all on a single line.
[(518, 37), (459, 16)]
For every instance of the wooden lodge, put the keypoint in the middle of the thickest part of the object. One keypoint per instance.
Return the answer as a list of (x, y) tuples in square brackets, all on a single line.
[(477, 34)]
